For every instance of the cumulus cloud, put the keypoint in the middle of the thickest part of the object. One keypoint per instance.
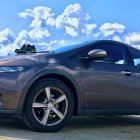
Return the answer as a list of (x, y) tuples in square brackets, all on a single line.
[(38, 33), (57, 43), (70, 14), (71, 31), (8, 41), (73, 21), (22, 38), (70, 17), (117, 38), (41, 16), (5, 50), (89, 29), (133, 39), (108, 29), (6, 36)]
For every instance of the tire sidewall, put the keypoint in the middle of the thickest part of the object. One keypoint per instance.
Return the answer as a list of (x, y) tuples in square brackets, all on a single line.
[(29, 100)]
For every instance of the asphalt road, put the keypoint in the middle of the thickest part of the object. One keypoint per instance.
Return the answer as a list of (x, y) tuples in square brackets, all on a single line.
[(79, 128)]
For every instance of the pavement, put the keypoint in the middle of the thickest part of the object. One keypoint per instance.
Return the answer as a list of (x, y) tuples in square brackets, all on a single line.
[(79, 128)]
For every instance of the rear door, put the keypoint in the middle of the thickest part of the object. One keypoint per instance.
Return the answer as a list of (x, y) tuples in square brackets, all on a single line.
[(108, 84)]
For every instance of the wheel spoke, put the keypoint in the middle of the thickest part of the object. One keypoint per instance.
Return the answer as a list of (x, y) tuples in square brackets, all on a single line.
[(60, 99), (58, 113), (39, 105), (45, 118), (48, 93), (50, 108)]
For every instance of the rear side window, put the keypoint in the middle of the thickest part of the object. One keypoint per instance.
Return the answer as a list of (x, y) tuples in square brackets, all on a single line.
[(136, 55)]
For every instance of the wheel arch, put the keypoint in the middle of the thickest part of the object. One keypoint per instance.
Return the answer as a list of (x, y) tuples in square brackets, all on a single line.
[(55, 74)]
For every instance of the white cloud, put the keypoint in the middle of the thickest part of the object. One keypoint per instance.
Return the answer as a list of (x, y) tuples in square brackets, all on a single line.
[(71, 31), (42, 18), (5, 50), (57, 43), (72, 9), (73, 18), (117, 38), (26, 13), (38, 33), (21, 39), (6, 36), (73, 21), (17, 43), (70, 16), (40, 15), (110, 29), (88, 29), (133, 39)]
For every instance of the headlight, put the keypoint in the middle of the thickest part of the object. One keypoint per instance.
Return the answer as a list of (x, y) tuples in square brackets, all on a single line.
[(11, 69)]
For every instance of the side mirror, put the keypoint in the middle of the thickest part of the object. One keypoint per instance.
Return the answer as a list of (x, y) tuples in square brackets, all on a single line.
[(97, 54)]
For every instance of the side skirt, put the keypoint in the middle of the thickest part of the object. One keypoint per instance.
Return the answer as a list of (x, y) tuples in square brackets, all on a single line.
[(112, 112), (7, 113)]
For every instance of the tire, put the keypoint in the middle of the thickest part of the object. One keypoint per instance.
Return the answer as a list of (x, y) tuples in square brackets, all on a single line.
[(49, 106)]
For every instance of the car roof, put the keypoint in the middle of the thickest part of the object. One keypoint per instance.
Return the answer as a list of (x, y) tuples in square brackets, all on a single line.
[(102, 41)]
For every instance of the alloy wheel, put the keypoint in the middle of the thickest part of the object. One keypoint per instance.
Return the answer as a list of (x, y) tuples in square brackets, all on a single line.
[(50, 106)]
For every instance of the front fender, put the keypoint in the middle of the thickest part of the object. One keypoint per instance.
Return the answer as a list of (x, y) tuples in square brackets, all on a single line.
[(41, 74)]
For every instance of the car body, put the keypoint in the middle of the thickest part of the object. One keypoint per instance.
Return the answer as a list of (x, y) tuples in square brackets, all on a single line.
[(106, 86)]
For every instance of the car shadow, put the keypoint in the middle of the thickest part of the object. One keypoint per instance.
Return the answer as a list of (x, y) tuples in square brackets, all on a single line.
[(104, 121), (16, 129)]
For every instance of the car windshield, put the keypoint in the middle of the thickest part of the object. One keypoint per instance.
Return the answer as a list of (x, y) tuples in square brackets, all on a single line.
[(69, 47)]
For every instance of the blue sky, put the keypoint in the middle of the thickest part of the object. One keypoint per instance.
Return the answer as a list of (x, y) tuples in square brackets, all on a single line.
[(50, 23)]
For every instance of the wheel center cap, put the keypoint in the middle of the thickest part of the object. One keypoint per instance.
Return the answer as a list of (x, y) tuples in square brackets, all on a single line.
[(50, 105)]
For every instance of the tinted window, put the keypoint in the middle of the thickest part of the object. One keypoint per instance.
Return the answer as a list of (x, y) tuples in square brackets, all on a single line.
[(115, 53), (136, 55)]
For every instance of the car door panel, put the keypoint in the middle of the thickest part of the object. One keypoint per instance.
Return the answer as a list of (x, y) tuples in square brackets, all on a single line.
[(105, 87)]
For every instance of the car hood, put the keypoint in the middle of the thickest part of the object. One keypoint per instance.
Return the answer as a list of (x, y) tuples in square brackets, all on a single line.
[(24, 59)]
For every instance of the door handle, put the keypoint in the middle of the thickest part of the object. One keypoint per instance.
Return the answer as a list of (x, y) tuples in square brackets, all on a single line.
[(127, 72)]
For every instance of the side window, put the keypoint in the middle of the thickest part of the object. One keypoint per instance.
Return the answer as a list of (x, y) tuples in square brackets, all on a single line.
[(115, 54), (136, 55)]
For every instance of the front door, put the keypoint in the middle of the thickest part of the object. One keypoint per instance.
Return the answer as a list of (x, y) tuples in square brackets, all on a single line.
[(108, 84)]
